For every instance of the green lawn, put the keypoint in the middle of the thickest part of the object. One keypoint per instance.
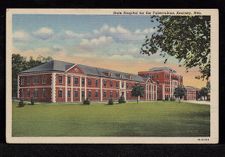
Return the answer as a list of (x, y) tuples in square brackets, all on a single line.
[(144, 119)]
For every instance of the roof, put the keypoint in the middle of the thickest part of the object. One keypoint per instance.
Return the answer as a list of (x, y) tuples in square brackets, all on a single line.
[(191, 88), (162, 68), (62, 66), (53, 65)]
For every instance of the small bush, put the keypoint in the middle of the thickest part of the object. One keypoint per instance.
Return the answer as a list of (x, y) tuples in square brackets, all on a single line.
[(32, 101), (86, 102), (21, 103), (110, 102), (121, 100), (172, 99)]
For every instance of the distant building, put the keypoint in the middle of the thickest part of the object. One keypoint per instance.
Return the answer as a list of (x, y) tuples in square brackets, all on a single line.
[(191, 93), (58, 81), (166, 78)]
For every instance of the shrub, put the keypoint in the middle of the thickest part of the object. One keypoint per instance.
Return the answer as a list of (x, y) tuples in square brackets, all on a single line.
[(86, 102), (21, 103), (172, 99), (121, 100), (110, 102), (32, 101)]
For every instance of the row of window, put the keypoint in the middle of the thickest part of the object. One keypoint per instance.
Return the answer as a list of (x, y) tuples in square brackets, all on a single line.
[(89, 82), (35, 93), (89, 93), (35, 80)]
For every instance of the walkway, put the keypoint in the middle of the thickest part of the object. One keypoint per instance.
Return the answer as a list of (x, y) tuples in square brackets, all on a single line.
[(197, 102)]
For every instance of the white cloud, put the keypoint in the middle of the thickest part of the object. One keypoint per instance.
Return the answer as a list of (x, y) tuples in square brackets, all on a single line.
[(21, 36), (69, 34), (121, 34), (95, 42), (44, 33)]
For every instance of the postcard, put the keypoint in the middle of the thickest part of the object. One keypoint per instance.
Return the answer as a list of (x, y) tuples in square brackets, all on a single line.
[(142, 76)]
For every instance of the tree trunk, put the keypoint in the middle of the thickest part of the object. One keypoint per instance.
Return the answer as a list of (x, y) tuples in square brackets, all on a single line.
[(137, 100)]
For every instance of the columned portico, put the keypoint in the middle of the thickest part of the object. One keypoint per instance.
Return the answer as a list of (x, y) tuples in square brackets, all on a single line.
[(101, 89), (146, 91), (53, 87), (163, 91), (66, 88), (152, 91), (85, 87), (72, 92), (80, 89)]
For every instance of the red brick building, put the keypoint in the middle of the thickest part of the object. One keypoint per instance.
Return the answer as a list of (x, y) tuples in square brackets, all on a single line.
[(58, 81), (166, 78), (191, 93)]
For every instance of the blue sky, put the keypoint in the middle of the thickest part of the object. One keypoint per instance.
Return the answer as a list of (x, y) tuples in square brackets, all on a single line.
[(110, 41), (72, 30)]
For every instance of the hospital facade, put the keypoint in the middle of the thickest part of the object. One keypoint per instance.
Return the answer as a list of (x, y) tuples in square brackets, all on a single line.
[(59, 81)]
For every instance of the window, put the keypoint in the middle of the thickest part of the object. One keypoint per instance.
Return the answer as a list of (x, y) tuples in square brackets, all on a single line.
[(43, 80), (89, 82), (22, 80), (111, 94), (117, 84), (43, 92), (68, 80), (89, 94), (127, 85), (83, 81), (96, 93), (111, 83), (117, 94), (75, 93), (104, 83), (96, 83), (68, 93), (122, 84), (60, 79), (28, 92), (75, 80), (83, 94), (35, 93), (28, 81), (104, 94), (60, 93)]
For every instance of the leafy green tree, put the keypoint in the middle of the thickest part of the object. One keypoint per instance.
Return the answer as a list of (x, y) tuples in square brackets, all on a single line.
[(179, 92), (187, 38), (137, 91), (20, 63)]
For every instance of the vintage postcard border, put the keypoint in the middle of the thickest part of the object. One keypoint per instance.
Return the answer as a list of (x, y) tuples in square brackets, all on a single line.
[(214, 109)]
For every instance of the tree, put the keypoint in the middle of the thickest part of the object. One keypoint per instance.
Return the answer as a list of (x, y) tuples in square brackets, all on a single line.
[(208, 86), (179, 92), (204, 92), (20, 63), (187, 38), (137, 91)]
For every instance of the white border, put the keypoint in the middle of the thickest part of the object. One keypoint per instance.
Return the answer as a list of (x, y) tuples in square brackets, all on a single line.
[(214, 113)]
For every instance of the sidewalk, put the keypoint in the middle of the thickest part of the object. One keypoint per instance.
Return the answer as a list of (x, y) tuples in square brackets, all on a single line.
[(197, 102)]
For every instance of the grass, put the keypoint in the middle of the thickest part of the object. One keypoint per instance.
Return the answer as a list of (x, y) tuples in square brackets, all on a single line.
[(157, 119)]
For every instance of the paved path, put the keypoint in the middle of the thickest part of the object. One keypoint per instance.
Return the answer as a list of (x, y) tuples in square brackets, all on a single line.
[(197, 102)]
